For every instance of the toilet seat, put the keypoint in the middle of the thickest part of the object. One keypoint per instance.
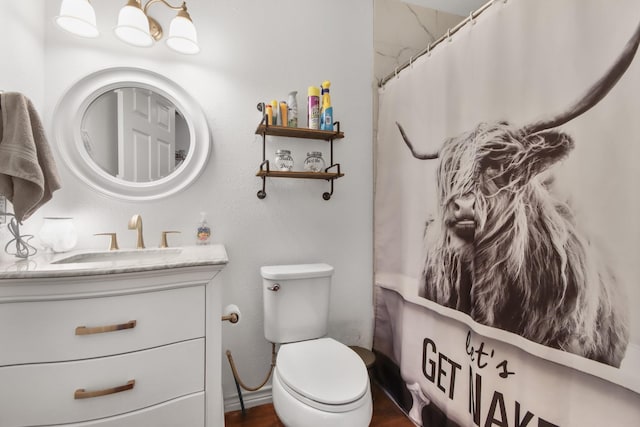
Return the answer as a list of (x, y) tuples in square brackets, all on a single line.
[(323, 373)]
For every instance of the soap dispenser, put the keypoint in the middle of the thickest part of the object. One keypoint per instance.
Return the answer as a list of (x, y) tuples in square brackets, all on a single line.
[(203, 231)]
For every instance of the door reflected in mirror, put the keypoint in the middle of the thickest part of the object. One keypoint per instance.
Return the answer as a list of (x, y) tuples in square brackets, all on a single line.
[(135, 134)]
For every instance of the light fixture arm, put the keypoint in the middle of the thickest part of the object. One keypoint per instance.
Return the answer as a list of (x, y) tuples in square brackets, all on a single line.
[(154, 27), (183, 6)]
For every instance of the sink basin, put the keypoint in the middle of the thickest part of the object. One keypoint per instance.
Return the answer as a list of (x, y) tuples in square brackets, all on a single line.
[(132, 255)]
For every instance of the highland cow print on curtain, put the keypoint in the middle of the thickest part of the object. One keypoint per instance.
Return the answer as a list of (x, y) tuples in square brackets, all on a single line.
[(507, 220)]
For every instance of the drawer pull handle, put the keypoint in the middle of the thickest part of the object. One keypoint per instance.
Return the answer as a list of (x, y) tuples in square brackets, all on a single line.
[(83, 330), (83, 394)]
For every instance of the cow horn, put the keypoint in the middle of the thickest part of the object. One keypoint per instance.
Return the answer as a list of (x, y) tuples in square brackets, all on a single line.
[(420, 156), (598, 91)]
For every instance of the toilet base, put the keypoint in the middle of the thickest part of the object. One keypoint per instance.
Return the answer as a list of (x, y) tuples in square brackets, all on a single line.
[(293, 413)]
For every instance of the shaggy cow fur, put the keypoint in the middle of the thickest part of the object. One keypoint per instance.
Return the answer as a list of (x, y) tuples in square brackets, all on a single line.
[(523, 267)]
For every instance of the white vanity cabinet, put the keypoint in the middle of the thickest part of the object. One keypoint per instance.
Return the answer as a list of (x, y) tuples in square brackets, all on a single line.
[(118, 348)]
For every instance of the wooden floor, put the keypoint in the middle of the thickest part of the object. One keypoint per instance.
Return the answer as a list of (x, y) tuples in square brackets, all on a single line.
[(385, 414)]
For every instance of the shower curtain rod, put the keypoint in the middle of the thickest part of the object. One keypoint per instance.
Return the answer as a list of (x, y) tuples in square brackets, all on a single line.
[(446, 36)]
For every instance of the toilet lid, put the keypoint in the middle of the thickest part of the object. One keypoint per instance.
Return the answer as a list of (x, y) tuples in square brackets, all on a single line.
[(323, 370)]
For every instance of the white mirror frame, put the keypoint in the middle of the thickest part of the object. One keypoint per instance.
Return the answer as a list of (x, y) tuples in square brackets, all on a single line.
[(67, 120)]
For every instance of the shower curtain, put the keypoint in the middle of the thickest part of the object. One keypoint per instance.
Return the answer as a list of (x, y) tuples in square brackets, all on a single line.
[(507, 221)]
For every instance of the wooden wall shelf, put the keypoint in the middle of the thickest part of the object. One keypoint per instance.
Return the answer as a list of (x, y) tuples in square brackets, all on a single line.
[(297, 174), (300, 133), (303, 133)]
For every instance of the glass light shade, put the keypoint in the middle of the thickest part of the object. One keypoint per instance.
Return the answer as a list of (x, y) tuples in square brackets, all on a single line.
[(78, 17), (182, 36), (133, 27), (58, 234)]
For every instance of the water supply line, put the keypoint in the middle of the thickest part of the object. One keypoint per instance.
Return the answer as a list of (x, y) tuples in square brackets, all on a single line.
[(236, 376), (232, 315)]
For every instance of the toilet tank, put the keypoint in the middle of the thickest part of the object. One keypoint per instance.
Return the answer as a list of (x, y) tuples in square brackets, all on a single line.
[(295, 301)]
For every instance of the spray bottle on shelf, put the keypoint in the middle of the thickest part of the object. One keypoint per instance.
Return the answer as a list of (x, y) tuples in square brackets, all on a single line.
[(313, 107), (326, 115), (203, 231), (293, 109)]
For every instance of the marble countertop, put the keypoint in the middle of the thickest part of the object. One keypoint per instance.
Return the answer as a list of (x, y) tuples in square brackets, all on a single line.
[(89, 262)]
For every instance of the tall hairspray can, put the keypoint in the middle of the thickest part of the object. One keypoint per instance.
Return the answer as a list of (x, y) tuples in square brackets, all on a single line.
[(292, 105), (275, 111), (313, 107), (269, 113), (284, 114), (326, 115)]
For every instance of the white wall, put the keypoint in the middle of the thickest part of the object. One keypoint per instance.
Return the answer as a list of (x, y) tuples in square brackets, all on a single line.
[(251, 52), (22, 48)]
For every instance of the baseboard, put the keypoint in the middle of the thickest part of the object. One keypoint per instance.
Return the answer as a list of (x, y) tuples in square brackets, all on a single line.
[(250, 399)]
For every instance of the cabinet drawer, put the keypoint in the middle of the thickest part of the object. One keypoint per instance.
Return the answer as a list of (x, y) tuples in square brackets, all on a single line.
[(186, 411), (50, 331), (59, 393)]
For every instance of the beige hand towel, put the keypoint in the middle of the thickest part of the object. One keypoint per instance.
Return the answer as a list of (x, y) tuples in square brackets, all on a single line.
[(28, 173)]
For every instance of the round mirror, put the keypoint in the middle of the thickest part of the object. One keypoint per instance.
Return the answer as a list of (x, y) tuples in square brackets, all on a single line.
[(132, 134)]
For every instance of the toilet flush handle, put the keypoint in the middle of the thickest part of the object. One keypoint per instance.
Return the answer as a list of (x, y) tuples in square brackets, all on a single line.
[(275, 287)]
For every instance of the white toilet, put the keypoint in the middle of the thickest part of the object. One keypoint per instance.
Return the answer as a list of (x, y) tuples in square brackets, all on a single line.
[(317, 381)]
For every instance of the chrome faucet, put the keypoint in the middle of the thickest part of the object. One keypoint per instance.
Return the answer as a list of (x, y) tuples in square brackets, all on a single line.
[(135, 223)]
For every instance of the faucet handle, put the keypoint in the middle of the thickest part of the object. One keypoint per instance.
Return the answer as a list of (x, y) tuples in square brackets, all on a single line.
[(113, 245), (163, 239)]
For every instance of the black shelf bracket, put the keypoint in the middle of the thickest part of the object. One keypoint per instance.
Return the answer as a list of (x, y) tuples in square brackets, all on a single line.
[(326, 195), (262, 193)]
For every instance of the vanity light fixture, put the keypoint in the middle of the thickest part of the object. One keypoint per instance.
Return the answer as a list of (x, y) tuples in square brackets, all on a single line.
[(135, 26)]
